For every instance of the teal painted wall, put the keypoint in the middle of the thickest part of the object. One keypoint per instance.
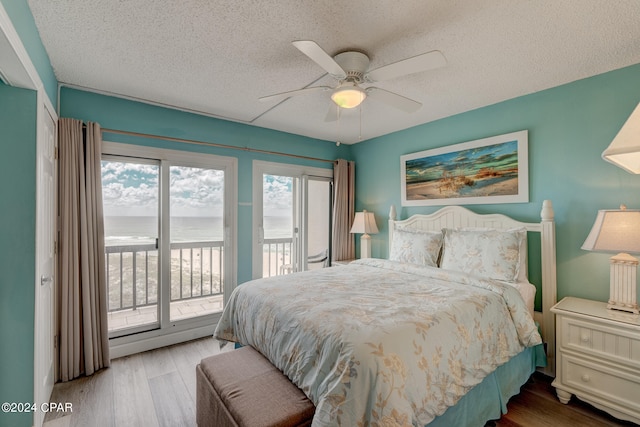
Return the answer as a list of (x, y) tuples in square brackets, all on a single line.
[(17, 248), (18, 109), (569, 127), (22, 20), (121, 114)]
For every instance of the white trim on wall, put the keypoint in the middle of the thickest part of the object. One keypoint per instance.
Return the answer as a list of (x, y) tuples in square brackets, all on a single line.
[(16, 68)]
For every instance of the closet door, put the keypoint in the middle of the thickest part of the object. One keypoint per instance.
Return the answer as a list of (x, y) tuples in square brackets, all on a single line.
[(46, 215)]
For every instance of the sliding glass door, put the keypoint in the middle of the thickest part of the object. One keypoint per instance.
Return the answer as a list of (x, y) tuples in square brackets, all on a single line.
[(292, 218), (131, 203), (318, 208), (169, 227), (196, 228), (280, 228)]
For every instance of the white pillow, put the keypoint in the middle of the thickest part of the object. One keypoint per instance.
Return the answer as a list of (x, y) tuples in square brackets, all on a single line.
[(416, 247), (495, 254), (522, 264)]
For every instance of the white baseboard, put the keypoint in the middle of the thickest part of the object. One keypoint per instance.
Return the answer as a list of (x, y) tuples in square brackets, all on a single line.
[(120, 348)]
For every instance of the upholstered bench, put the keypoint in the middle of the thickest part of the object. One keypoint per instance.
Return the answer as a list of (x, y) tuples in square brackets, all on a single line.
[(241, 388)]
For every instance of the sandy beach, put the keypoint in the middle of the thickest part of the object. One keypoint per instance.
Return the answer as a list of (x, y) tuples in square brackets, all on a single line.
[(203, 270), (434, 190)]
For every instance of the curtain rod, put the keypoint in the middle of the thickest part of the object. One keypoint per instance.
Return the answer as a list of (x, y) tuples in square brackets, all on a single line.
[(212, 144)]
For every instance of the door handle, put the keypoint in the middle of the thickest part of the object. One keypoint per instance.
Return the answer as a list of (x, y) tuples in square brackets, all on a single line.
[(45, 279)]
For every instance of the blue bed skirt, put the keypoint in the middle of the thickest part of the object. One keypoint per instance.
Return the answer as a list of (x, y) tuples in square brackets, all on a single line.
[(488, 400)]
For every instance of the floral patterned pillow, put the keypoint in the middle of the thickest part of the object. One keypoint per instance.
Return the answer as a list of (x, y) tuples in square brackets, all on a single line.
[(494, 254), (522, 263), (416, 247)]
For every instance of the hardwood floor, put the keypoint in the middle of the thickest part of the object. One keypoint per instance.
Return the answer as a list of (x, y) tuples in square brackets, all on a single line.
[(154, 388), (157, 388), (538, 406)]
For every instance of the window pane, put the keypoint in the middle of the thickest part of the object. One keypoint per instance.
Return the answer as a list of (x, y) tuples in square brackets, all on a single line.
[(318, 223), (277, 219), (130, 203), (197, 237)]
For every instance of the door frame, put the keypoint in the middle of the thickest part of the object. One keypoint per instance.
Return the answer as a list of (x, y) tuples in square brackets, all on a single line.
[(261, 167), (305, 218), (46, 357), (175, 332)]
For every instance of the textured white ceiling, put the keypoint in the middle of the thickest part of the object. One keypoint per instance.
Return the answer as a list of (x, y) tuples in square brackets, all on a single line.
[(218, 57)]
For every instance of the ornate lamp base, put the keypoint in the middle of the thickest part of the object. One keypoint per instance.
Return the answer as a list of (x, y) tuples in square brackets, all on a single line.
[(365, 246), (622, 291)]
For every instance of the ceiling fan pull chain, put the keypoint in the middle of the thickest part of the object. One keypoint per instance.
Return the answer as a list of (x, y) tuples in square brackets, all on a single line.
[(338, 126), (360, 132)]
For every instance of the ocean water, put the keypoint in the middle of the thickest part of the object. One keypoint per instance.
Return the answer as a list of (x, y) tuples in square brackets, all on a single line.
[(130, 230)]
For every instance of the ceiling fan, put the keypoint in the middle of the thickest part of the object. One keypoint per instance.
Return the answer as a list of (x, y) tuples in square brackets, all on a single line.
[(351, 70)]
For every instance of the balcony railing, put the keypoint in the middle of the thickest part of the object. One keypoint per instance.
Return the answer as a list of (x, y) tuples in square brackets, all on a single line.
[(276, 258), (196, 270), (132, 273)]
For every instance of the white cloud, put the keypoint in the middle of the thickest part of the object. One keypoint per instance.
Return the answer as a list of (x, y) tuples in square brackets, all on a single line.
[(277, 195), (196, 191), (132, 189)]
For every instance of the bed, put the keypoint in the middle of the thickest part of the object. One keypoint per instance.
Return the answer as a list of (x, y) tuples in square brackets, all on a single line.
[(430, 336)]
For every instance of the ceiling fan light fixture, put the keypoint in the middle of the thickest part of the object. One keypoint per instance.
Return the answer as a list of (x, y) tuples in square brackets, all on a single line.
[(348, 97)]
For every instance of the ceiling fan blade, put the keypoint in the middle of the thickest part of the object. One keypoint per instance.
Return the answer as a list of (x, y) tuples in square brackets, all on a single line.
[(333, 114), (320, 57), (400, 102), (416, 64), (285, 95)]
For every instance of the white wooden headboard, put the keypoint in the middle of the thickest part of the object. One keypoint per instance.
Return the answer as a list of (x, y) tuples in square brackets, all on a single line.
[(457, 216)]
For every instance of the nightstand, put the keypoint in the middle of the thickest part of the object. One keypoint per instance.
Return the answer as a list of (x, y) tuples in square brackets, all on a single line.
[(598, 356)]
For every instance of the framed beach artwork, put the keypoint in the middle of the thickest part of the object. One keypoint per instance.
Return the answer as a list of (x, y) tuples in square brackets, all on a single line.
[(489, 170)]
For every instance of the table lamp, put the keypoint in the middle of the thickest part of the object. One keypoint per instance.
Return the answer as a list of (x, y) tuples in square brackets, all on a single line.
[(364, 223), (618, 231)]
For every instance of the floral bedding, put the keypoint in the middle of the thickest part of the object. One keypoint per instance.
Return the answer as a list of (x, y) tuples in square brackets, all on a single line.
[(377, 342)]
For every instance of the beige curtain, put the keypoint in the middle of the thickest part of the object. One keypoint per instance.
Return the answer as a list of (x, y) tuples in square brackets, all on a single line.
[(343, 210), (82, 290)]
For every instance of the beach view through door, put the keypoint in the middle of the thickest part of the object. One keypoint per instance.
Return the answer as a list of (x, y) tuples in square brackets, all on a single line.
[(130, 194), (197, 241), (280, 224), (292, 221), (164, 249)]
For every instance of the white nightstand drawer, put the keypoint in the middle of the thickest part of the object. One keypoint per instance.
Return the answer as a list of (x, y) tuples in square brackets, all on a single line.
[(616, 344), (598, 356), (618, 388)]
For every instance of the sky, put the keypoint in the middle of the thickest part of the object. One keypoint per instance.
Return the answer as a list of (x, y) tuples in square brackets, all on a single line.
[(464, 162), (132, 189), (277, 195)]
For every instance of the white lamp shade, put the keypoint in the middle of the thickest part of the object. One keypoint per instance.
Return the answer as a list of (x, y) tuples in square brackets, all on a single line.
[(624, 150), (348, 97), (615, 231), (364, 223)]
